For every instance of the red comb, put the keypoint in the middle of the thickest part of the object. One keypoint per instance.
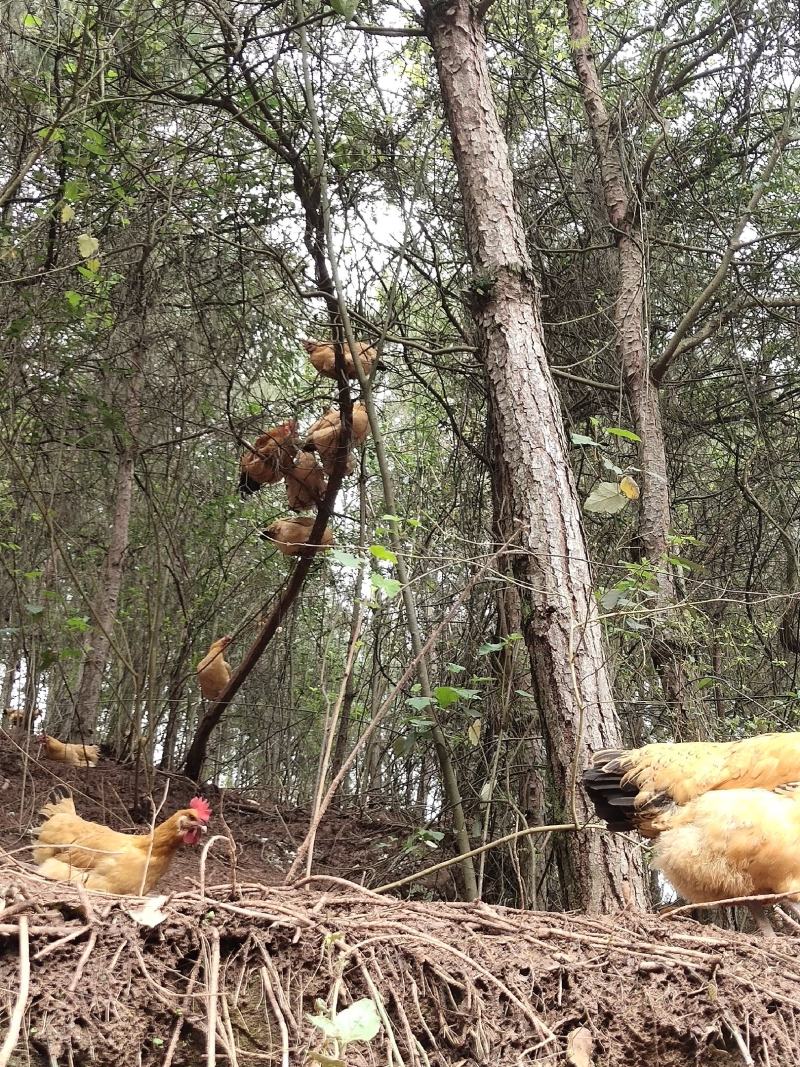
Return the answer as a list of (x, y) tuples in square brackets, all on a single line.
[(201, 808)]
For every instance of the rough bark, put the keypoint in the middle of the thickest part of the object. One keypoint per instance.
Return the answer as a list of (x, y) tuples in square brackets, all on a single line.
[(561, 626), (631, 338)]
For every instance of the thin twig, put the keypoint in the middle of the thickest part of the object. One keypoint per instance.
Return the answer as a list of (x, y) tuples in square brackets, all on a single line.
[(17, 1015), (213, 988)]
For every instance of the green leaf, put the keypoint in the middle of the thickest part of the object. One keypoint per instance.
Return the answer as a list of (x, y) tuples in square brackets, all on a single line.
[(345, 559), (73, 299), (489, 647), (627, 435), (379, 552), (359, 1022), (605, 499), (582, 439), (77, 624), (419, 703), (34, 609), (75, 189), (454, 668), (390, 586), (31, 22), (345, 8)]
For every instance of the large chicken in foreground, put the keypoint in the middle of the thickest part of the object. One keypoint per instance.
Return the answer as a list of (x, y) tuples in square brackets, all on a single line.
[(725, 816), (71, 849)]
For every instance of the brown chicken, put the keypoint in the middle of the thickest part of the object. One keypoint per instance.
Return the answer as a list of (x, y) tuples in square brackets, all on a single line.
[(725, 816), (289, 535), (13, 717), (213, 672), (70, 849), (323, 357), (325, 433), (305, 483), (64, 752), (275, 452)]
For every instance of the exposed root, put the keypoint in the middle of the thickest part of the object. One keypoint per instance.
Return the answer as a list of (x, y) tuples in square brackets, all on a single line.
[(219, 982)]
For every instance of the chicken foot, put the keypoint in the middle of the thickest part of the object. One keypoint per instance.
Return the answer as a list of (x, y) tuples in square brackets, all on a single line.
[(763, 925)]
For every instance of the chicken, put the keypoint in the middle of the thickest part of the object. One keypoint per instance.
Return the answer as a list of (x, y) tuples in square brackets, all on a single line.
[(323, 357), (305, 483), (13, 717), (324, 436), (70, 849), (213, 672), (276, 450), (289, 535), (725, 816), (64, 752)]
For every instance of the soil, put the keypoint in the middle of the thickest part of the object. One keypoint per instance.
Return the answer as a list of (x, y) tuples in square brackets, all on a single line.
[(366, 847), (236, 963)]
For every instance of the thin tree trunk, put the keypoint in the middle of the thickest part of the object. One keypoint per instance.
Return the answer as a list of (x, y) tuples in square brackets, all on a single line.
[(666, 650), (87, 701), (561, 626)]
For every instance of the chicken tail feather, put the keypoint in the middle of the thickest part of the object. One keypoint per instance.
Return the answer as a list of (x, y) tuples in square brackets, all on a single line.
[(613, 801)]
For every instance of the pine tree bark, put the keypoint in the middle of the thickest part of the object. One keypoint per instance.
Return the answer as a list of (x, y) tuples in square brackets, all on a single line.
[(666, 651), (560, 626)]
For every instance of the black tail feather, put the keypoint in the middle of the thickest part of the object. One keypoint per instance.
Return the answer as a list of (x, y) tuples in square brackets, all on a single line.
[(613, 802), (247, 485)]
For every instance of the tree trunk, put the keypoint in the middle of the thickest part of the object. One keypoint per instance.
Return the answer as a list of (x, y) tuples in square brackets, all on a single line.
[(87, 701), (629, 321), (561, 626)]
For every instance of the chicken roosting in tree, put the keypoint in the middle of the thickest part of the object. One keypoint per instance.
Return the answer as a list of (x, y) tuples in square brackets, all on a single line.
[(71, 849), (64, 752), (324, 436), (725, 815), (323, 357), (289, 535), (305, 483), (213, 672), (271, 457)]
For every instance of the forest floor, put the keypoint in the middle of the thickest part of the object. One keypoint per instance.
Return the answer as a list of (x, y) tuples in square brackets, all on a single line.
[(236, 962), (369, 848)]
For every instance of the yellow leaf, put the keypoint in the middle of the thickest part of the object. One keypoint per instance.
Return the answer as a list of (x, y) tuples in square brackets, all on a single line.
[(474, 732), (93, 265), (629, 487), (88, 246), (67, 213)]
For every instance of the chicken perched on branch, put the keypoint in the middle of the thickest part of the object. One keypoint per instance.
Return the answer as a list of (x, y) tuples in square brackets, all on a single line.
[(270, 458), (71, 849), (289, 535), (305, 483), (213, 672), (725, 815), (323, 356), (324, 436), (64, 752)]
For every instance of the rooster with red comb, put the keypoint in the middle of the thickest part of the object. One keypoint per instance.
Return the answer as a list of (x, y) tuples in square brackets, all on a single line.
[(71, 849)]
